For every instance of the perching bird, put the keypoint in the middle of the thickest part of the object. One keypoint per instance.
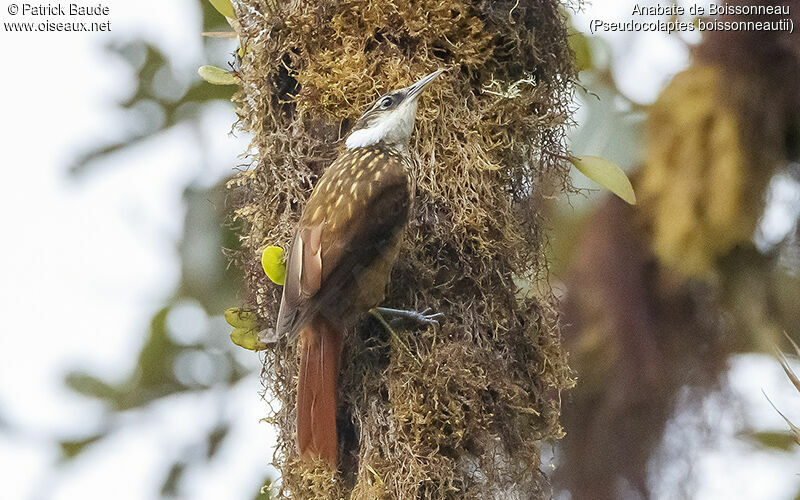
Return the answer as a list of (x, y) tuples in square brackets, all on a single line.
[(342, 255)]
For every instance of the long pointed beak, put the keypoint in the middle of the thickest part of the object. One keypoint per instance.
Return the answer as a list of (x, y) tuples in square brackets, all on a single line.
[(415, 90)]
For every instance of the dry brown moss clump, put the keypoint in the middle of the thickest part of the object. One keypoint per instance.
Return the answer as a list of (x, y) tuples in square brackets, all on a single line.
[(454, 412), (716, 135), (703, 184)]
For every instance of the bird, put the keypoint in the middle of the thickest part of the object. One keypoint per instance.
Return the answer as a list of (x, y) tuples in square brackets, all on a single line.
[(341, 256)]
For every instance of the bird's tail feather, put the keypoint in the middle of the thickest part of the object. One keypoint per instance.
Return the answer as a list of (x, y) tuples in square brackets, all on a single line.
[(320, 357)]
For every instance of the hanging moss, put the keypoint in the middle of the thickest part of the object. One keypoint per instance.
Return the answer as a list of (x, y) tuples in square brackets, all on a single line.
[(453, 412), (716, 135), (703, 180)]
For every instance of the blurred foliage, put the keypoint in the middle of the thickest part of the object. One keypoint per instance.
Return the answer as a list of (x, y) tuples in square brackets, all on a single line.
[(658, 297), (773, 440), (579, 43), (157, 373), (224, 7), (158, 94), (168, 364), (703, 196)]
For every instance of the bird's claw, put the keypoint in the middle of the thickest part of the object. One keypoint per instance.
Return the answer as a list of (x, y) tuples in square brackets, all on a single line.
[(428, 319), (424, 317)]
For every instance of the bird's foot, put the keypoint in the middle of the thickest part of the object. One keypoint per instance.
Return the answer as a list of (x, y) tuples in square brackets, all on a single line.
[(424, 317)]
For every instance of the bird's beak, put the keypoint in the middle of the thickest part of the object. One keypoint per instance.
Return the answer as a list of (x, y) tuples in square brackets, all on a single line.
[(415, 90)]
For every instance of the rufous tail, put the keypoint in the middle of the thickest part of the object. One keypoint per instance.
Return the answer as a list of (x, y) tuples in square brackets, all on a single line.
[(320, 357)]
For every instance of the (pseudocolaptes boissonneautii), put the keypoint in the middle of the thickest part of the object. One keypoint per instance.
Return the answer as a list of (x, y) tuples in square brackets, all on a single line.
[(342, 256)]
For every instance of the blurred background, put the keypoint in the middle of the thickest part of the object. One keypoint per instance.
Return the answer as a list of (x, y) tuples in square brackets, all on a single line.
[(117, 376)]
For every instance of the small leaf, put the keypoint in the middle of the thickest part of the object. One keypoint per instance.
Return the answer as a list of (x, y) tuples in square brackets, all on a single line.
[(607, 174), (224, 7), (216, 76), (238, 318), (91, 386), (170, 486), (247, 338), (775, 440), (580, 47), (273, 264), (215, 439), (71, 449)]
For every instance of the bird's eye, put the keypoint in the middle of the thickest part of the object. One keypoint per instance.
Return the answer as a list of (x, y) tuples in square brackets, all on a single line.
[(386, 102)]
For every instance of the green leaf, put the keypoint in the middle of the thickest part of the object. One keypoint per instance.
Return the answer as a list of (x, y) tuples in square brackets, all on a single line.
[(247, 338), (215, 439), (775, 440), (91, 386), (71, 449), (245, 331), (156, 373), (224, 7), (216, 76), (607, 174), (273, 264), (265, 492), (580, 47), (170, 486), (239, 318)]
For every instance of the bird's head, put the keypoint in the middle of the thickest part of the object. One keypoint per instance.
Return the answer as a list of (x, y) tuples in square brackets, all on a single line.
[(390, 120)]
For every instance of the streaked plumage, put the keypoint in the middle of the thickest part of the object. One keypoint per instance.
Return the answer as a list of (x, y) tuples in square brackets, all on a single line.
[(342, 255), (350, 225)]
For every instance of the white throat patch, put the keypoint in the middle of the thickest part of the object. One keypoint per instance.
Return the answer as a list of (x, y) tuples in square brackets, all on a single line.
[(394, 129), (366, 136)]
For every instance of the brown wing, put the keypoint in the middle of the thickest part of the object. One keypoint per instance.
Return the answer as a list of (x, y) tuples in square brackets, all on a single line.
[(348, 222), (303, 276)]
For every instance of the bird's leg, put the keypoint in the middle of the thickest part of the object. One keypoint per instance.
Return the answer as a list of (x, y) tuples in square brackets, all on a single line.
[(376, 312), (424, 317)]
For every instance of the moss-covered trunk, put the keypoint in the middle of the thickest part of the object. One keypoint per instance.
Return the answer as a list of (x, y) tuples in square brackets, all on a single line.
[(455, 412)]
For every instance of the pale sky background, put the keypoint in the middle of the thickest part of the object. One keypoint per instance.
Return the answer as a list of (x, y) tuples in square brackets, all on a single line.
[(84, 265)]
